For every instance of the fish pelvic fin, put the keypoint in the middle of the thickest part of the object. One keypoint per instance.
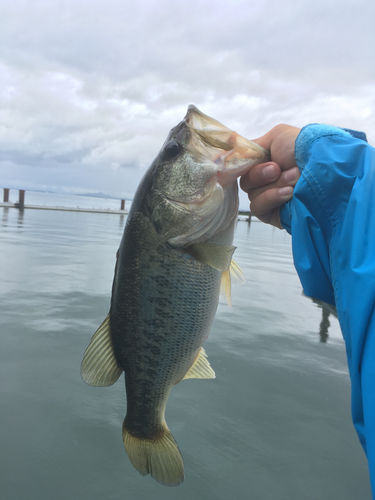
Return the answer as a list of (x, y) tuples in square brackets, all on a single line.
[(201, 368), (159, 457), (99, 365)]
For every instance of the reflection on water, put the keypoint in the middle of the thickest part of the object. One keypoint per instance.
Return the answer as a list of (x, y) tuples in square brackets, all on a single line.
[(5, 216), (324, 325), (21, 213), (327, 310), (275, 424)]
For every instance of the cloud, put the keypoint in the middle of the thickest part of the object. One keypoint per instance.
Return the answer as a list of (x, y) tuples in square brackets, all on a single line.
[(90, 89)]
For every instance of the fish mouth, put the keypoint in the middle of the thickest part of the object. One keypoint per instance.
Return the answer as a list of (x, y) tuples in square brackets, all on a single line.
[(232, 154), (219, 156)]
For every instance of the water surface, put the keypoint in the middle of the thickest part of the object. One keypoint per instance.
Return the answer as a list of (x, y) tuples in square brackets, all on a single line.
[(275, 424)]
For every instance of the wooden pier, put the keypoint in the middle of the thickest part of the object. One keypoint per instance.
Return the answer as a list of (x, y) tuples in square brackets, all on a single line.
[(245, 213), (122, 210), (21, 205)]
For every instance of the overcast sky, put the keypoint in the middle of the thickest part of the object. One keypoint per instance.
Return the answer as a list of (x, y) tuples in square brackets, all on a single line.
[(90, 88)]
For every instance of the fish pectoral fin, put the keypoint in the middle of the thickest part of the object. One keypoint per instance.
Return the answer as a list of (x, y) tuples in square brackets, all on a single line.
[(99, 365), (235, 274), (159, 457), (201, 368), (217, 256)]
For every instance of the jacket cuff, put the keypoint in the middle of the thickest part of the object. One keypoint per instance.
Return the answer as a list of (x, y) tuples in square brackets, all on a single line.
[(308, 135), (305, 138)]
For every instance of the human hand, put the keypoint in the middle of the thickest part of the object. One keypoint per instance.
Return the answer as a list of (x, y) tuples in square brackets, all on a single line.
[(270, 185)]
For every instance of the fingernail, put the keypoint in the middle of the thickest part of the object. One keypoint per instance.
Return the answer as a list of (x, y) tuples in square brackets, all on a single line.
[(286, 192), (290, 175), (269, 172)]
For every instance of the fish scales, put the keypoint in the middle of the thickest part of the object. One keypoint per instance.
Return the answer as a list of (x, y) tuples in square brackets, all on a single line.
[(174, 258), (155, 336)]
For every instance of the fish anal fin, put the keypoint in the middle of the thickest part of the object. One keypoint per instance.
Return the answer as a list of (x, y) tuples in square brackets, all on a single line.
[(99, 366), (159, 457), (201, 368), (217, 256)]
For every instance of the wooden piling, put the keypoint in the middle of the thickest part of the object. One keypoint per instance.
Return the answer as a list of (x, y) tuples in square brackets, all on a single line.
[(21, 199), (6, 195), (122, 205)]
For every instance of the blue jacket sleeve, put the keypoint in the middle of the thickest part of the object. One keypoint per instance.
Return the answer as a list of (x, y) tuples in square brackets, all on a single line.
[(331, 218)]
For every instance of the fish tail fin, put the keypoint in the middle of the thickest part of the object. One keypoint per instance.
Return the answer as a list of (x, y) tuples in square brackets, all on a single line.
[(159, 457)]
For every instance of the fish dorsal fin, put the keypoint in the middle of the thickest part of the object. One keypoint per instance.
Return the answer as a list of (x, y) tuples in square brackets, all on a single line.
[(99, 366), (217, 256), (235, 274), (201, 368)]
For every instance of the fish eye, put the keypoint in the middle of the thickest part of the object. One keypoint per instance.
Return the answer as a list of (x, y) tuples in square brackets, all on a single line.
[(172, 149)]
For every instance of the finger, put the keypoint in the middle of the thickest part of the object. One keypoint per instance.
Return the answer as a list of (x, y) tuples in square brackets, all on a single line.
[(272, 218), (290, 177), (280, 141), (260, 175), (265, 140), (270, 199), (287, 178), (266, 206)]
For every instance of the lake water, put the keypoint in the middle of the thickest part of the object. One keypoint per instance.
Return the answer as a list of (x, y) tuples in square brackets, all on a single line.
[(275, 424)]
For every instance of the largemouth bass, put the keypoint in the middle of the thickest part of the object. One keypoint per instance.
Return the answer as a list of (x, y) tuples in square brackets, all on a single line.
[(175, 255)]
